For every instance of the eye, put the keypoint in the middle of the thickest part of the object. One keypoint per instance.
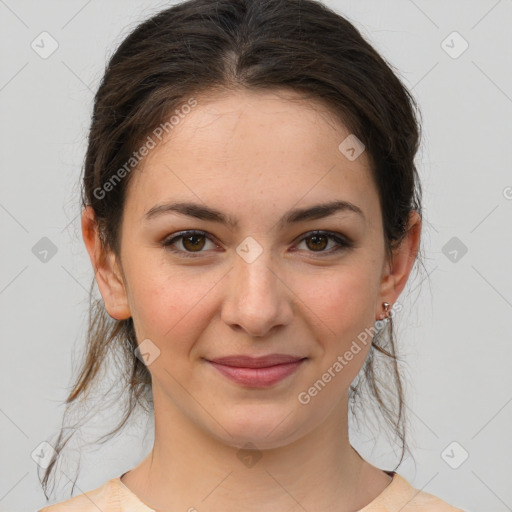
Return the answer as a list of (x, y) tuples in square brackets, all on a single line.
[(193, 241), (319, 241)]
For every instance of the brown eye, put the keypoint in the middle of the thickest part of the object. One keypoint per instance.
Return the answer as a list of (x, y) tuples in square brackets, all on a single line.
[(318, 242), (193, 242)]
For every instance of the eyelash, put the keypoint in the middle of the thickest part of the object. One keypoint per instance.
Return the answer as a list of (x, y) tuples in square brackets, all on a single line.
[(343, 243)]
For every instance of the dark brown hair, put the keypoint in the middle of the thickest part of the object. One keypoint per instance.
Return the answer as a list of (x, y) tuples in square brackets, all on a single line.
[(199, 47)]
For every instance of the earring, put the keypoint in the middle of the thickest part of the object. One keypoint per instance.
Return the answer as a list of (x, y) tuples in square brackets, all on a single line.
[(385, 314)]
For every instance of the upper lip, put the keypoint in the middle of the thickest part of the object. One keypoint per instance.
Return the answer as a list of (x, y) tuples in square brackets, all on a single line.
[(242, 361)]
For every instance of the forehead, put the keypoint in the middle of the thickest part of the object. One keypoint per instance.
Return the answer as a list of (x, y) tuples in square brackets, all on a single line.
[(246, 146)]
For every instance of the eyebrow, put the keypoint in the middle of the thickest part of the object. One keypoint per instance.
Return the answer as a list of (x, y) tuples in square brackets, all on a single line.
[(202, 212)]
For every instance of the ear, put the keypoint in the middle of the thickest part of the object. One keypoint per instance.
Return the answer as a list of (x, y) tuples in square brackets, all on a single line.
[(106, 269), (397, 270)]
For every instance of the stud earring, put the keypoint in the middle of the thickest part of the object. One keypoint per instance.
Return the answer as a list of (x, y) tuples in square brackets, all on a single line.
[(385, 314)]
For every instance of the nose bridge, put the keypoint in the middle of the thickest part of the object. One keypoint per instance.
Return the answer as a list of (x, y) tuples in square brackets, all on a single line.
[(254, 276), (257, 299)]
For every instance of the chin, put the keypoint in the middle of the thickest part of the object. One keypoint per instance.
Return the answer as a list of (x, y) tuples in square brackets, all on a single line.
[(266, 428)]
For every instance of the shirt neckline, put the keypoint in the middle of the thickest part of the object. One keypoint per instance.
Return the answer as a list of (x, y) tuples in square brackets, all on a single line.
[(128, 498)]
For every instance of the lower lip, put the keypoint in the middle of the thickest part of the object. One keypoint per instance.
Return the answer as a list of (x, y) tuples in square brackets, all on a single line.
[(258, 377)]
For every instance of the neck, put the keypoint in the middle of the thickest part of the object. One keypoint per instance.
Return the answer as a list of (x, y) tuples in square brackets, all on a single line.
[(188, 468)]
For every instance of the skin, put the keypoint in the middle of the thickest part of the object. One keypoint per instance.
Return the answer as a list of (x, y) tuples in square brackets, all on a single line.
[(253, 156)]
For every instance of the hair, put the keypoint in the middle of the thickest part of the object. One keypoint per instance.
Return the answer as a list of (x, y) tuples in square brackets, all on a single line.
[(199, 47)]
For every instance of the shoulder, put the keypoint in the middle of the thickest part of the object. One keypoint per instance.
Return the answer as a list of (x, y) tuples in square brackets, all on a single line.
[(104, 498), (401, 495), (426, 502), (415, 500)]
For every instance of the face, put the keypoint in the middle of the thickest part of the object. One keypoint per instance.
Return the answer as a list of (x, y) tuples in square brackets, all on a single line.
[(239, 273)]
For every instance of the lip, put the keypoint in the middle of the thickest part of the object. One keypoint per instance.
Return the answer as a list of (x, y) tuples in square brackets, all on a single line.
[(257, 372), (242, 361)]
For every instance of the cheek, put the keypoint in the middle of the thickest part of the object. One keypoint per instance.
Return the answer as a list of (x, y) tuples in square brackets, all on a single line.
[(342, 299), (345, 305), (168, 305)]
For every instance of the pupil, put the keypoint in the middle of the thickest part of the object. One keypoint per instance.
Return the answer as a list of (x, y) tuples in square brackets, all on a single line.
[(316, 238), (195, 244)]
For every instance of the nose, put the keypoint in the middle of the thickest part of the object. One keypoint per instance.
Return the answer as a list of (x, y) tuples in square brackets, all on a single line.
[(258, 299)]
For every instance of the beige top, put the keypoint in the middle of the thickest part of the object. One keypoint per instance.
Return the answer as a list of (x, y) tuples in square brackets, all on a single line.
[(114, 496)]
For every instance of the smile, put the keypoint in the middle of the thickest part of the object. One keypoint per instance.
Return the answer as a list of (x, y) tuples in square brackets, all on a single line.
[(258, 377)]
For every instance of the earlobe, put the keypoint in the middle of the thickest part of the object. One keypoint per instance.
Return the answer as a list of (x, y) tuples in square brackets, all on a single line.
[(106, 269), (400, 266)]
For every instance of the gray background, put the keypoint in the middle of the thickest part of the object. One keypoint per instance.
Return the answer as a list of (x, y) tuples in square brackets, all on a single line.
[(454, 330)]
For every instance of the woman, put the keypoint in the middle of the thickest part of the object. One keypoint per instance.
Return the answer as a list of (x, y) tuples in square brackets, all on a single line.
[(252, 213)]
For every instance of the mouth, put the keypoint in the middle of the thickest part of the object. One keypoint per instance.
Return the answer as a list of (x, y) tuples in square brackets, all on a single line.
[(257, 372)]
